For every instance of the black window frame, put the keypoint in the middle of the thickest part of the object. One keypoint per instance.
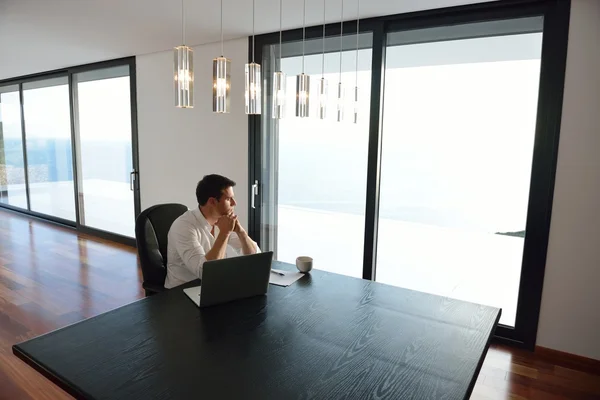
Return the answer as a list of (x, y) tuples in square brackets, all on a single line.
[(556, 15), (69, 72)]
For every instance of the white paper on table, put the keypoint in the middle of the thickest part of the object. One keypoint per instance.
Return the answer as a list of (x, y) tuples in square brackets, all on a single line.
[(286, 280), (194, 294)]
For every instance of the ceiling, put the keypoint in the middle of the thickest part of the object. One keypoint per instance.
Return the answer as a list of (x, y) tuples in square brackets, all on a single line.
[(42, 35)]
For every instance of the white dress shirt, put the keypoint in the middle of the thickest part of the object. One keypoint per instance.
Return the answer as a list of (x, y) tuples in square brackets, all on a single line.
[(189, 240)]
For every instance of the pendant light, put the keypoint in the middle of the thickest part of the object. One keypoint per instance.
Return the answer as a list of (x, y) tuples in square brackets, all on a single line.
[(253, 79), (356, 72), (303, 80), (279, 79), (221, 78), (323, 85), (183, 70), (340, 88)]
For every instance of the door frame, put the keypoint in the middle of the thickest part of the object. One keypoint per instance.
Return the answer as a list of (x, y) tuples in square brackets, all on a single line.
[(556, 15), (68, 72)]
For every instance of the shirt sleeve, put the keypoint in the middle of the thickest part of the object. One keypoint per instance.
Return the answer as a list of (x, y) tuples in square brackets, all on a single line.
[(187, 243), (236, 244)]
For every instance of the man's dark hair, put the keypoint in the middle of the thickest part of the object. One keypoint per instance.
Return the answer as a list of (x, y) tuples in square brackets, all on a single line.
[(212, 186)]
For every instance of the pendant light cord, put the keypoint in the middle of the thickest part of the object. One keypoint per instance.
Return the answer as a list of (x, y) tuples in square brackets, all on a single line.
[(323, 59), (222, 52), (182, 25), (303, 33), (357, 32), (280, 30), (253, 31), (341, 39)]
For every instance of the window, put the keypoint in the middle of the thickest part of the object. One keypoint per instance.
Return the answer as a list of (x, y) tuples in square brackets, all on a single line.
[(12, 167), (103, 127), (458, 132), (68, 148), (317, 173), (49, 147), (450, 173)]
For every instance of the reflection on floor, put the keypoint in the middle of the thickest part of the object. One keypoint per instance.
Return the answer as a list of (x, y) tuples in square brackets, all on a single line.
[(51, 277), (106, 205), (477, 267)]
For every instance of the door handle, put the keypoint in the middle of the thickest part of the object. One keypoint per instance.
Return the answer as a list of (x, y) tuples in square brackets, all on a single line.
[(254, 194), (131, 180)]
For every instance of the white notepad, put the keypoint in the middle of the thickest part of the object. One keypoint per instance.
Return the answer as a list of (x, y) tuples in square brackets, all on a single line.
[(286, 280), (194, 294)]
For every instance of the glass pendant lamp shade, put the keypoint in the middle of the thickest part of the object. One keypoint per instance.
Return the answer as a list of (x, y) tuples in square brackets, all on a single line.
[(322, 92), (183, 70), (303, 80), (183, 62), (253, 79), (355, 104), (221, 79), (253, 90), (340, 102), (302, 95), (323, 85), (340, 89), (279, 79), (221, 84)]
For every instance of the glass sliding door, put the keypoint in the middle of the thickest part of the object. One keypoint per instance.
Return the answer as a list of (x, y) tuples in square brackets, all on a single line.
[(49, 147), (12, 167), (445, 185), (459, 119), (102, 107), (313, 175), (68, 148)]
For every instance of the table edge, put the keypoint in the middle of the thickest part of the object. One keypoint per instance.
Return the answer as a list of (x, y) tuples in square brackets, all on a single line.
[(72, 390), (482, 358)]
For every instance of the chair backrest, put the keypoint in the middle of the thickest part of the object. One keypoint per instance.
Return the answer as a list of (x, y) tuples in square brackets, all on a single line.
[(151, 229)]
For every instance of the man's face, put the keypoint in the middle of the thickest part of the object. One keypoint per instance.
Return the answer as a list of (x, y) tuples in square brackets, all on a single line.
[(227, 202)]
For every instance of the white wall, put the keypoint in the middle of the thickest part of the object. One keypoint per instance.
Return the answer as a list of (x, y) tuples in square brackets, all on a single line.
[(178, 147), (570, 314)]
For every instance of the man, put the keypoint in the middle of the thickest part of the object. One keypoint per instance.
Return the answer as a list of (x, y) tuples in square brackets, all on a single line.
[(192, 239)]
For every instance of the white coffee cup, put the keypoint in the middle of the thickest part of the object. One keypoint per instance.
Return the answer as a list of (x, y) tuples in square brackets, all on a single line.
[(304, 264)]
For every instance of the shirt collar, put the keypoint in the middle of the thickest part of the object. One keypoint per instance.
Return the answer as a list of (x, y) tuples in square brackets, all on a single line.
[(200, 218)]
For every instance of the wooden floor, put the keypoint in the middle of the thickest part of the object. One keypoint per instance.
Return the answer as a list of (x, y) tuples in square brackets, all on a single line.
[(51, 277)]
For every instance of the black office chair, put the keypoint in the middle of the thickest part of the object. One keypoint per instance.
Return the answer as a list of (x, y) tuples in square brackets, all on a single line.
[(151, 229)]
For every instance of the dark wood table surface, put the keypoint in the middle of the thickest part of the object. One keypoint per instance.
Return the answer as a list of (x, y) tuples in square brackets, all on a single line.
[(325, 337)]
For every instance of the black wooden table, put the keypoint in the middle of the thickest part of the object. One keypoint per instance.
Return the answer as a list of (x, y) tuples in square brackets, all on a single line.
[(325, 337)]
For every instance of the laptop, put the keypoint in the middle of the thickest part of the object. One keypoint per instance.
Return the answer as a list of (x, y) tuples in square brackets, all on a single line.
[(232, 279)]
